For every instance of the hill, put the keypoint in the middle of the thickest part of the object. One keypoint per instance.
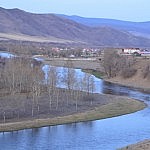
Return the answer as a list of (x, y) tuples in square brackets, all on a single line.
[(17, 22), (136, 28)]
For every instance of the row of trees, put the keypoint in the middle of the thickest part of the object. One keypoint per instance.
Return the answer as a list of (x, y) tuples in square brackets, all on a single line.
[(125, 66), (69, 80), (20, 75), (115, 64), (146, 71)]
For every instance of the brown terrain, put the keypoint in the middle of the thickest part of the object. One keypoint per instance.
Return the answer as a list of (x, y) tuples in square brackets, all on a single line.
[(80, 63), (145, 145), (16, 111), (137, 81), (18, 107), (19, 25), (136, 28), (50, 27)]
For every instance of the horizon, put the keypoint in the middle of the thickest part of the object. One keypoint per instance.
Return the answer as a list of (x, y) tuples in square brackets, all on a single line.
[(133, 11), (74, 15)]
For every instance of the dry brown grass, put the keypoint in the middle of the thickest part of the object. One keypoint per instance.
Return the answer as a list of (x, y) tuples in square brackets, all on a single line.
[(137, 81), (22, 37), (119, 107), (145, 145), (82, 64)]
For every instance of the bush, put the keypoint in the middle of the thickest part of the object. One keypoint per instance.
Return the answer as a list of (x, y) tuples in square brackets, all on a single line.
[(88, 98), (146, 72), (128, 72), (115, 64)]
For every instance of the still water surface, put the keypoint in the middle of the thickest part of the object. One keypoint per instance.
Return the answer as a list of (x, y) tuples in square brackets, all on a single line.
[(106, 134)]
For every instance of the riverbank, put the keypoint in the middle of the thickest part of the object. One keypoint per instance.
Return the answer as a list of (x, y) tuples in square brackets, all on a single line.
[(96, 68), (26, 110), (117, 106), (82, 64), (145, 145), (134, 82), (138, 80)]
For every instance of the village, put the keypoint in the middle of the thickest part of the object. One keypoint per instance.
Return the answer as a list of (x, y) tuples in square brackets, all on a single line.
[(134, 51), (81, 53), (56, 52)]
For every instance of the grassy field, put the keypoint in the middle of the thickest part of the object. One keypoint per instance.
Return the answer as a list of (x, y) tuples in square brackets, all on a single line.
[(82, 64), (22, 37), (120, 106), (96, 73)]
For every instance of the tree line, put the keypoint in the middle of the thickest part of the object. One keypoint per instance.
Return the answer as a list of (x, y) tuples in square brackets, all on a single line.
[(21, 76), (125, 66)]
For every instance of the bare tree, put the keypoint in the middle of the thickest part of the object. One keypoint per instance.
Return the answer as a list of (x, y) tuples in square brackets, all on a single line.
[(146, 71), (69, 79), (37, 76), (111, 63), (77, 93), (52, 82), (92, 87), (115, 65)]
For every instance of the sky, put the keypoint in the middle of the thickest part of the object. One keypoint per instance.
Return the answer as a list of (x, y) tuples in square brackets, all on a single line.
[(129, 10)]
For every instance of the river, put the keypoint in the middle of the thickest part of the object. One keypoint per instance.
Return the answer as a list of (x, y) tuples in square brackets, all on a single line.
[(105, 134)]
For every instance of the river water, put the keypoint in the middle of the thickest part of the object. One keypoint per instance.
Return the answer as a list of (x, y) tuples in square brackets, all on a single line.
[(105, 134)]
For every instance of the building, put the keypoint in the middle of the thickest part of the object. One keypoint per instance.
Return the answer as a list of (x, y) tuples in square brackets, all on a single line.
[(129, 51)]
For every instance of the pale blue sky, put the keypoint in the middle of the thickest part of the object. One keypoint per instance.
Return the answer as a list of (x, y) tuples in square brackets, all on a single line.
[(131, 10)]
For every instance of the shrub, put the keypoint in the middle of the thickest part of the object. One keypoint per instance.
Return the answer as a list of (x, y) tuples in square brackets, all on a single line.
[(146, 72), (128, 72)]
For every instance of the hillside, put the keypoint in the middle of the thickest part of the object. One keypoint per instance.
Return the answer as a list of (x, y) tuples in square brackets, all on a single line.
[(136, 28), (15, 22)]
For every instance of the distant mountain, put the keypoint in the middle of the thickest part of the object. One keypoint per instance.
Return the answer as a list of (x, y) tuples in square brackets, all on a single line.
[(18, 22), (136, 28)]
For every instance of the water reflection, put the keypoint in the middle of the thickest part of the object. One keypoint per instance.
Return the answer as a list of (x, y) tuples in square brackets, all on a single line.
[(103, 86), (6, 55), (106, 134)]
